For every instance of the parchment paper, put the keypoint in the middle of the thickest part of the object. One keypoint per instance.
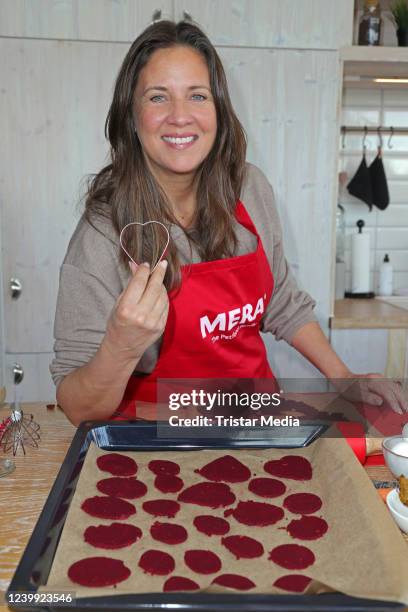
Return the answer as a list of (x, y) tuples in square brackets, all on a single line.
[(363, 553)]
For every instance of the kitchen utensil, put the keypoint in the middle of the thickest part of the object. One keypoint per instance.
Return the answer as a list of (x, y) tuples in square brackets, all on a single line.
[(35, 565), (144, 225), (398, 510), (379, 186), (17, 430), (360, 184), (395, 450)]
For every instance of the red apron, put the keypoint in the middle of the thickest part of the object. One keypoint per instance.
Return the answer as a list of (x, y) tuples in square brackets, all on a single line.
[(213, 325)]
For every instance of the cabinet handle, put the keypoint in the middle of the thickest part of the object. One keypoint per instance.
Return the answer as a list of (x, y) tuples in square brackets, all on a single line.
[(187, 16), (18, 373), (157, 15), (15, 288)]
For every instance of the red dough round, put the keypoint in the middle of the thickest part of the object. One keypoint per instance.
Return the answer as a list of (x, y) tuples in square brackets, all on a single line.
[(116, 535), (307, 528), (162, 466), (243, 547), (178, 583), (211, 525), (98, 572), (168, 533), (211, 494), (116, 464), (267, 487), (157, 563), (295, 583), (128, 488), (161, 507), (108, 507), (225, 469), (168, 484), (234, 581), (256, 514), (292, 556), (202, 561), (302, 503), (290, 466)]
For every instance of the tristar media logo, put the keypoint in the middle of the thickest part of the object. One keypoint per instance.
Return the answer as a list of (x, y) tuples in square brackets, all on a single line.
[(234, 319)]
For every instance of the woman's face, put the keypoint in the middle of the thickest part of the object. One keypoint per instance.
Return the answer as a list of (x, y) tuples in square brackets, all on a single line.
[(173, 101)]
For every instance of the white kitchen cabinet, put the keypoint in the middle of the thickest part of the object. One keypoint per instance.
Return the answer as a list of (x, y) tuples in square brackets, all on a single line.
[(36, 383), (100, 20), (53, 139), (295, 24), (2, 334)]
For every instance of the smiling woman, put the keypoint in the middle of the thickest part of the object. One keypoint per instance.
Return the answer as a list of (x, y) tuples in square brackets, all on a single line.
[(177, 159), (175, 115)]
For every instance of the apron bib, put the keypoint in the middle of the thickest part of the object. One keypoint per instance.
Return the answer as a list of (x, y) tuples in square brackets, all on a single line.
[(213, 325)]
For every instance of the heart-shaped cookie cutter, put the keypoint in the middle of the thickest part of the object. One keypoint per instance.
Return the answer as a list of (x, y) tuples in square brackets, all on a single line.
[(142, 225)]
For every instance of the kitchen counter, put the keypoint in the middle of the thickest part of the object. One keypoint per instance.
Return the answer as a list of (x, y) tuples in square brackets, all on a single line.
[(24, 492), (352, 313)]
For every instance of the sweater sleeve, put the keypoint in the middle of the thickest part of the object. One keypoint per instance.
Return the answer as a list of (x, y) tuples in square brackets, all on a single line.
[(290, 308), (90, 281), (83, 307)]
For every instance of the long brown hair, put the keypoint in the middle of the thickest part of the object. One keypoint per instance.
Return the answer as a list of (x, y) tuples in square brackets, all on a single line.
[(126, 191)]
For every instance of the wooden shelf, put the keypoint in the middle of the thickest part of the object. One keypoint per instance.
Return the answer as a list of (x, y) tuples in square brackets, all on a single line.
[(362, 64), (367, 314)]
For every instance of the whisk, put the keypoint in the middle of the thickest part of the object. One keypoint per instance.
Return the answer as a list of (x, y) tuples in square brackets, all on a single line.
[(18, 430)]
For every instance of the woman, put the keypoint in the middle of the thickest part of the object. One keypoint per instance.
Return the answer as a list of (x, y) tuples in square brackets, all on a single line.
[(178, 157)]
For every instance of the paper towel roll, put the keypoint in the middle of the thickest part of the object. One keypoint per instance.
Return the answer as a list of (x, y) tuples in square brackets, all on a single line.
[(360, 263)]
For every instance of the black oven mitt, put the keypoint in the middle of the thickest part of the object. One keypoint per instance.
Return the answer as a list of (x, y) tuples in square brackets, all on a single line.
[(360, 184), (379, 186)]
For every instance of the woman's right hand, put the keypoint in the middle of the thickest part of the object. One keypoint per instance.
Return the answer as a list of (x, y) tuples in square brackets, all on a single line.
[(140, 313)]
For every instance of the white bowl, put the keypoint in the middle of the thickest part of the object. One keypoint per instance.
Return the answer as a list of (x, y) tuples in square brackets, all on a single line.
[(398, 510), (395, 451)]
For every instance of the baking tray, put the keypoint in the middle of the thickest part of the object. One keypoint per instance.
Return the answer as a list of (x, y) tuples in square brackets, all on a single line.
[(36, 562)]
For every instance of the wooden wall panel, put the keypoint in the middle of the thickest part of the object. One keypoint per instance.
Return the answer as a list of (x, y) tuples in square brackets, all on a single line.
[(110, 20), (287, 102), (300, 24)]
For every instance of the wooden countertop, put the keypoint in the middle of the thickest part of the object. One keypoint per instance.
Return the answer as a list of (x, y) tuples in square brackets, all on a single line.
[(24, 491), (367, 314)]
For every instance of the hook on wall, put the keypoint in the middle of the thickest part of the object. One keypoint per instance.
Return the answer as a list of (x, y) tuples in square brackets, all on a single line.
[(343, 140), (389, 145), (157, 15), (364, 139), (380, 138)]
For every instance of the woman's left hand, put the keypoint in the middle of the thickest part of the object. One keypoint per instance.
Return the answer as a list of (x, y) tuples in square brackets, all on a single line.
[(374, 389)]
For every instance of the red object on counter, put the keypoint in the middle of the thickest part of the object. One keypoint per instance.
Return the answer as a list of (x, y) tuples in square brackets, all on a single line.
[(3, 426), (375, 460), (355, 437), (383, 418)]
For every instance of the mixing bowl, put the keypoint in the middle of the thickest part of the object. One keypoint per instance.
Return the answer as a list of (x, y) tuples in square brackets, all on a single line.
[(395, 451)]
